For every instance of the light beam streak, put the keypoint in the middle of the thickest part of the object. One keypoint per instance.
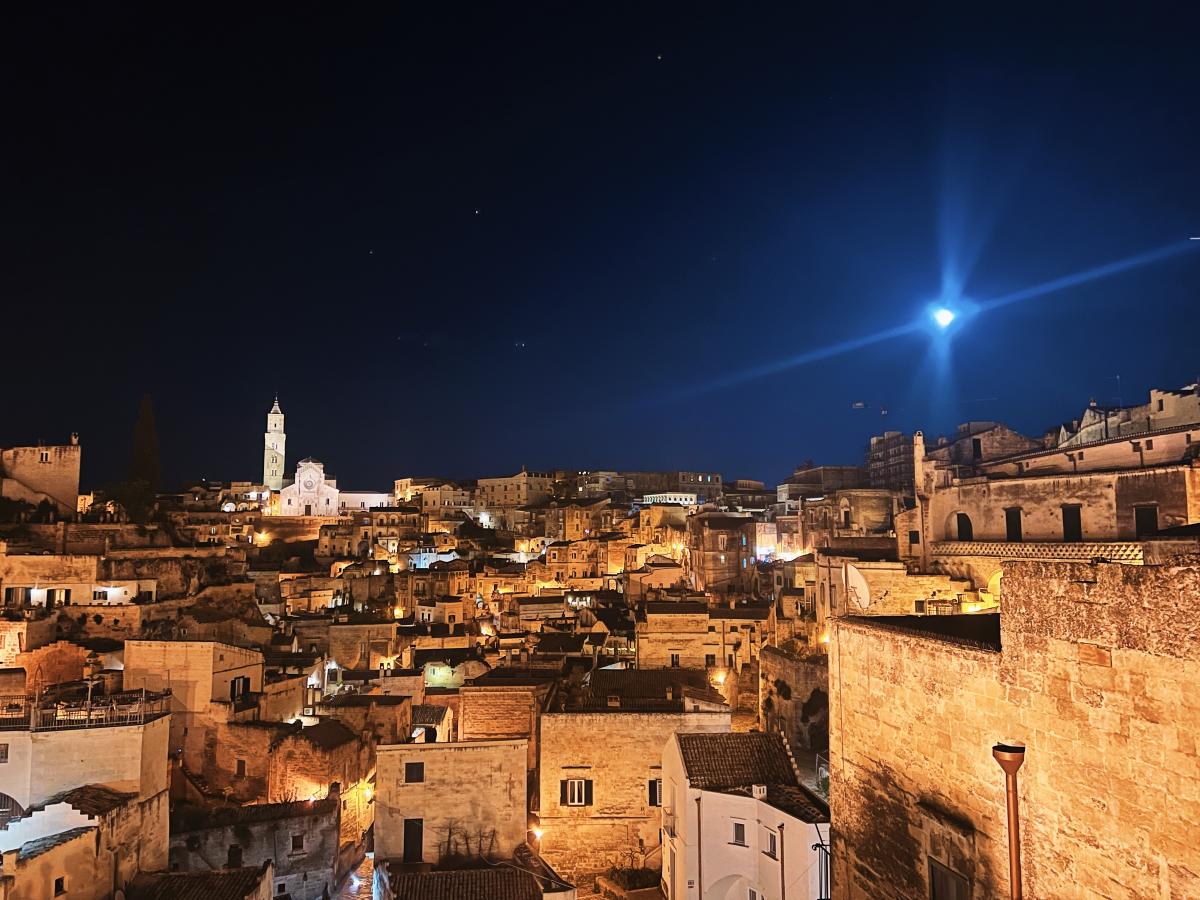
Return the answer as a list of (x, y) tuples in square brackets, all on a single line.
[(1039, 290)]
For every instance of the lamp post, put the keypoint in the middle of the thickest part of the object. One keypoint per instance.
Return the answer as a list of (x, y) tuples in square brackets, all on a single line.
[(1010, 757)]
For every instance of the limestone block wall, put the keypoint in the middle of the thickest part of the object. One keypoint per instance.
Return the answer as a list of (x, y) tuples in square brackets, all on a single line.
[(794, 698), (619, 752), (1097, 675), (471, 798)]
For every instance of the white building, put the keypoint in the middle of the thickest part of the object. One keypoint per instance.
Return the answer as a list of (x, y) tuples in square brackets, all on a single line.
[(311, 494), (361, 501), (737, 824), (274, 442), (678, 498)]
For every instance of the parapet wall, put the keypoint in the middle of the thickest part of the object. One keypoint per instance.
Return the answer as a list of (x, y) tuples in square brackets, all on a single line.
[(1097, 675)]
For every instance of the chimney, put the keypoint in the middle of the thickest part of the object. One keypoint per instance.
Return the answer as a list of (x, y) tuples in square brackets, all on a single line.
[(614, 701), (758, 791), (670, 692)]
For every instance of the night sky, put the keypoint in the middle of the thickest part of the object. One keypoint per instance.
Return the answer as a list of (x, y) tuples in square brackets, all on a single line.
[(457, 242)]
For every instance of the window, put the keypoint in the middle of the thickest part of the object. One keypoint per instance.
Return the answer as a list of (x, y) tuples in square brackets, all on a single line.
[(297, 843), (3, 753), (60, 885), (234, 858), (654, 792), (1149, 445), (914, 537), (414, 772), (281, 888), (1160, 405), (575, 792), (733, 628), (946, 884), (772, 847), (240, 770), (1072, 522), (976, 449), (739, 833), (752, 895), (710, 659), (675, 660), (1012, 524)]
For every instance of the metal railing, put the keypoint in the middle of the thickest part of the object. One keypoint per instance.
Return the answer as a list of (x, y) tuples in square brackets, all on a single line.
[(128, 708), (823, 878)]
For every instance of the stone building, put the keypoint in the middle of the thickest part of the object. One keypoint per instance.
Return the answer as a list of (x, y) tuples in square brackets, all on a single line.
[(1092, 668), (301, 839), (88, 842), (600, 763), (211, 684), (718, 551), (43, 474), (445, 802), (508, 491), (891, 462), (311, 493)]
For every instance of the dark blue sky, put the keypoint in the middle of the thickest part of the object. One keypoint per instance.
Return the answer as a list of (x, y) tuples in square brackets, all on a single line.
[(220, 207)]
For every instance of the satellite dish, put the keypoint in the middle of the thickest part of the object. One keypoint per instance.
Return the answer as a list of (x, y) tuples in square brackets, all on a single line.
[(856, 587)]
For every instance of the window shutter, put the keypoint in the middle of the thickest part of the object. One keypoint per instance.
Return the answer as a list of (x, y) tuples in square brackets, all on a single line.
[(587, 792), (562, 793)]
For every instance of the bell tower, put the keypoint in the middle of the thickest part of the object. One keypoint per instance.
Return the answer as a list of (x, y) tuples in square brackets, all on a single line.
[(273, 447)]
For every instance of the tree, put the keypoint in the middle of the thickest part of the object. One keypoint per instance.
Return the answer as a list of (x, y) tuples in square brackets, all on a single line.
[(145, 445)]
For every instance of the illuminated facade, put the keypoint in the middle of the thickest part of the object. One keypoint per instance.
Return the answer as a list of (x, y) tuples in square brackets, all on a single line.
[(311, 494), (273, 448)]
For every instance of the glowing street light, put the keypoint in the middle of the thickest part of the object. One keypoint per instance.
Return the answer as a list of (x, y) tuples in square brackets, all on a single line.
[(943, 317)]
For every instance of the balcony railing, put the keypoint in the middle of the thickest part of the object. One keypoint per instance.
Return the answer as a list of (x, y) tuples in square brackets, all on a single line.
[(19, 713)]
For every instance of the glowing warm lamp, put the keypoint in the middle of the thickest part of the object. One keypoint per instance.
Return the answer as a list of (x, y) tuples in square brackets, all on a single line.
[(537, 833)]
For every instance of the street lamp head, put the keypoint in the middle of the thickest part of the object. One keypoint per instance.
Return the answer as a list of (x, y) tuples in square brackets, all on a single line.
[(1010, 756)]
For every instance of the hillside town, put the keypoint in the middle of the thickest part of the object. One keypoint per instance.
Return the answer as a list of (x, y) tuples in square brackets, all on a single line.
[(553, 683)]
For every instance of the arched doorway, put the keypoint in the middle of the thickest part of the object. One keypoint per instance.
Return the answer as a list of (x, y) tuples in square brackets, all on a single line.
[(966, 531)]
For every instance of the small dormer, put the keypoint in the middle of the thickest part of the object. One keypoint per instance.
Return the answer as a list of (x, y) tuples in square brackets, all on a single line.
[(758, 791)]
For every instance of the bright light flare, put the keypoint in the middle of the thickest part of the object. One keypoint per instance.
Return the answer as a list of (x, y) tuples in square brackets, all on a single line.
[(943, 317)]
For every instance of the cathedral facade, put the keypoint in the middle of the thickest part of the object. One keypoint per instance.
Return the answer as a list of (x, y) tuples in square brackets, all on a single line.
[(311, 494)]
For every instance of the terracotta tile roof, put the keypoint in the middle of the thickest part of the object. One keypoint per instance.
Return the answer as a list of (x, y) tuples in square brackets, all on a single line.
[(645, 690), (723, 761), (428, 714), (327, 734), (223, 884), (193, 817), (92, 799), (468, 884)]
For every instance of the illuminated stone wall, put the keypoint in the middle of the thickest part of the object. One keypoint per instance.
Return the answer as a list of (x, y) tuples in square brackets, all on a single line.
[(1097, 676)]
